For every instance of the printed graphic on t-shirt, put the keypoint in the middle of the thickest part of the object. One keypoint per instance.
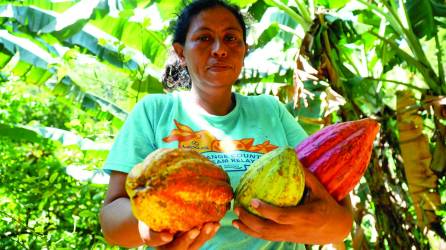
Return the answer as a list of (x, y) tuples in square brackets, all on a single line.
[(232, 155)]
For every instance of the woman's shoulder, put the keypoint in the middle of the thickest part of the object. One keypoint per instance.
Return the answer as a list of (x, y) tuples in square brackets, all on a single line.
[(260, 100), (154, 98), (154, 103), (157, 99)]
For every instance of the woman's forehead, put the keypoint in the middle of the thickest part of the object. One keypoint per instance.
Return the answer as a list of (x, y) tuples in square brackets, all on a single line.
[(217, 18)]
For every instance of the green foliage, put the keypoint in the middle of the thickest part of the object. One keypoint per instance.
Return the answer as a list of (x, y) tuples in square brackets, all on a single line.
[(24, 109), (331, 4), (267, 35), (67, 73), (21, 103), (422, 20), (41, 206), (258, 9)]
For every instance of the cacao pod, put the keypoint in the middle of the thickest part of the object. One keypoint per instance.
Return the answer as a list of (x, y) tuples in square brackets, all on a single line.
[(178, 189), (276, 177), (339, 154)]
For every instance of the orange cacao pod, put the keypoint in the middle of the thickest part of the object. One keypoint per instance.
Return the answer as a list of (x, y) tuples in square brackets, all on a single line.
[(339, 154), (178, 189)]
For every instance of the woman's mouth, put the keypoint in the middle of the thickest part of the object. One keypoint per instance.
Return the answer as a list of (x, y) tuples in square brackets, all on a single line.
[(219, 67)]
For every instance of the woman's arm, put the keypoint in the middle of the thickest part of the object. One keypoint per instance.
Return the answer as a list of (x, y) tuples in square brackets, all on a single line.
[(118, 224)]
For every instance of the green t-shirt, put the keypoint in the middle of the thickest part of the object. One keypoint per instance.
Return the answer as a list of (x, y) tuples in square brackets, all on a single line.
[(256, 125)]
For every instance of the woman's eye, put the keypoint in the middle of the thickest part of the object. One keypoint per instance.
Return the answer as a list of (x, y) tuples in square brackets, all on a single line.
[(203, 38), (230, 38)]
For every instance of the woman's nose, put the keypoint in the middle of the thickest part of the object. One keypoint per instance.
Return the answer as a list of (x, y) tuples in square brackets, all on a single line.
[(219, 49)]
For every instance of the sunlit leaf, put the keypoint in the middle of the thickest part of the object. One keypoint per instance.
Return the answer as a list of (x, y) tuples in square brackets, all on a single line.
[(267, 35), (242, 3), (331, 4), (28, 51)]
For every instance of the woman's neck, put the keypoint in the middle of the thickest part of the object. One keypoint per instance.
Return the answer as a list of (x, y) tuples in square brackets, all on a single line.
[(214, 102)]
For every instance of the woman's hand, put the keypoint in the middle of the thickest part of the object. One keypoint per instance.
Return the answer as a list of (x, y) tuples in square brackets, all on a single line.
[(153, 238), (320, 220), (190, 240)]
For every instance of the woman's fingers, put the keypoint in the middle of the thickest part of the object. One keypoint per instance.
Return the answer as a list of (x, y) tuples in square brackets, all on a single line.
[(259, 227), (152, 238), (193, 239), (182, 241), (273, 216), (247, 230), (279, 215), (207, 232), (312, 183), (160, 238)]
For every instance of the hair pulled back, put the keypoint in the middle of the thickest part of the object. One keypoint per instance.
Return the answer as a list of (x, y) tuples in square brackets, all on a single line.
[(176, 75)]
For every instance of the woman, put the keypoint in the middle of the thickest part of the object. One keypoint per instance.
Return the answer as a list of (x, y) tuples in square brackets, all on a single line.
[(231, 130)]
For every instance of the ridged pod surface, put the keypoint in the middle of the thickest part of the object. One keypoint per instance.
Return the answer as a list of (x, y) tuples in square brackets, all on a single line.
[(276, 177), (339, 154), (178, 189)]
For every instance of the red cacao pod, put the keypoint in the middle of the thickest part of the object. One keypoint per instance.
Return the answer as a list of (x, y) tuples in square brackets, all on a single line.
[(178, 189), (339, 154)]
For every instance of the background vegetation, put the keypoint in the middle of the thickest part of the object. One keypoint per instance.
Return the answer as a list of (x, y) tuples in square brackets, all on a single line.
[(70, 71)]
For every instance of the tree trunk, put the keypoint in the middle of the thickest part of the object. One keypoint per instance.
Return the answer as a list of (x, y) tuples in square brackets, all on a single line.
[(394, 231)]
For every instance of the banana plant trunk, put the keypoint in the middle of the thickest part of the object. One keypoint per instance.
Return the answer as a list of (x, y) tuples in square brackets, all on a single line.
[(394, 232)]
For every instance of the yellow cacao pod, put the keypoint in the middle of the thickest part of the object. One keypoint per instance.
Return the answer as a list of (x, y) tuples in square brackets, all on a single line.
[(276, 178), (178, 189)]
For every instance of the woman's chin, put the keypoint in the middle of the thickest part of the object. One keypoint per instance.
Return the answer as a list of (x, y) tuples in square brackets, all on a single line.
[(221, 80)]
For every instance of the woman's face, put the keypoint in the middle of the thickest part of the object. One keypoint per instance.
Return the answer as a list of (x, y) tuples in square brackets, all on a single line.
[(214, 49)]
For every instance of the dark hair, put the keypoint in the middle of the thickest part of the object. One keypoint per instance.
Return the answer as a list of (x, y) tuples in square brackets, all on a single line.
[(196, 7), (175, 75)]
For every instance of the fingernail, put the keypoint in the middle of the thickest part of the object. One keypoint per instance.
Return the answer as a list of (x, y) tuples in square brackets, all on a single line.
[(235, 225), (255, 203), (216, 228), (193, 234), (236, 211), (208, 229), (166, 238)]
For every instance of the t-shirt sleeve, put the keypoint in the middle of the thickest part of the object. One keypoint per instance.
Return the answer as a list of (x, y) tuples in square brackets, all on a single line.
[(294, 132), (134, 141)]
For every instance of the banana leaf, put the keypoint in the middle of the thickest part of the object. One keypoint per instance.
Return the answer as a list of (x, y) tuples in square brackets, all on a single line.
[(417, 158)]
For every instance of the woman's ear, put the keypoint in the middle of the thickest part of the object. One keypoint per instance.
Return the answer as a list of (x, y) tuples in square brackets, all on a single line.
[(179, 51), (246, 49)]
